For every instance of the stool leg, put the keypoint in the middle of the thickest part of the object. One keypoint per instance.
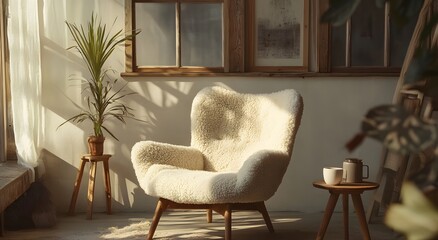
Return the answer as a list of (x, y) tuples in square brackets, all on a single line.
[(107, 186), (76, 187), (331, 204), (91, 184), (358, 206), (345, 210)]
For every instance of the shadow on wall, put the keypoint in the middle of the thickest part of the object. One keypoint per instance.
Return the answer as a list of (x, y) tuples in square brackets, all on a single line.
[(59, 177)]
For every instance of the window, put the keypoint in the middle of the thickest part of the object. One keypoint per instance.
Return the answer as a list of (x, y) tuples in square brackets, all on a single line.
[(370, 41), (205, 36), (178, 35), (224, 36)]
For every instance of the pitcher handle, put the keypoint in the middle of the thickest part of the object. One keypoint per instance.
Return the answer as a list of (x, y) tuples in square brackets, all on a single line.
[(368, 172)]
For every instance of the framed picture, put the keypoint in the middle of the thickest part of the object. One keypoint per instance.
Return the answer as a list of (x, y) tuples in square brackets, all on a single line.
[(278, 35)]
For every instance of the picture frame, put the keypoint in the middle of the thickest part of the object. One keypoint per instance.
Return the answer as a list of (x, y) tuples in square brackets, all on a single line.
[(277, 35)]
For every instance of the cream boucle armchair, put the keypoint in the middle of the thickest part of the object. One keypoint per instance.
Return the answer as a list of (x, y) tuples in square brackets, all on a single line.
[(240, 148)]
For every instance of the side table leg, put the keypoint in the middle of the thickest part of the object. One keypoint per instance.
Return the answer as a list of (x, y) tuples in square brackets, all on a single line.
[(76, 187), (358, 206), (107, 186), (91, 184), (331, 204), (345, 211)]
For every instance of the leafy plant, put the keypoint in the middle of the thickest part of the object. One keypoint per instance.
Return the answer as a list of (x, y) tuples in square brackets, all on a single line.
[(417, 217), (401, 131), (96, 44)]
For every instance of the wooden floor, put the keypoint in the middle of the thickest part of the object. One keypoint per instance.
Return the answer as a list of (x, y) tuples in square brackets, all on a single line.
[(193, 225)]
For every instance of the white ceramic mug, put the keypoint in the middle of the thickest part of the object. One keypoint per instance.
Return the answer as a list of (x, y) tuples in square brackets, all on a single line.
[(332, 175)]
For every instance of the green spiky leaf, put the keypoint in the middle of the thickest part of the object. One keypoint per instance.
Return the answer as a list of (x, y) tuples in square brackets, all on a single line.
[(95, 43)]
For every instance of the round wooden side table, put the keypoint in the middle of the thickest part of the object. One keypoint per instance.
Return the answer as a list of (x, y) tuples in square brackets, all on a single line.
[(93, 160), (353, 189)]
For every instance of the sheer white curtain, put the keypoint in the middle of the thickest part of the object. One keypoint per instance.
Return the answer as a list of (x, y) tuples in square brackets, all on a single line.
[(25, 73)]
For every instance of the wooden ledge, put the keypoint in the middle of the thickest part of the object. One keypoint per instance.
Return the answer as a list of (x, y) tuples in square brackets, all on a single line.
[(132, 76), (14, 181)]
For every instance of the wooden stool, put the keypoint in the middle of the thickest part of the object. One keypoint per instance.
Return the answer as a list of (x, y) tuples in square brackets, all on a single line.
[(93, 161), (354, 189)]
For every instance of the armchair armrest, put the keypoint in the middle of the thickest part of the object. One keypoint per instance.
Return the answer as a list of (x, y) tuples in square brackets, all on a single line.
[(261, 174), (144, 154)]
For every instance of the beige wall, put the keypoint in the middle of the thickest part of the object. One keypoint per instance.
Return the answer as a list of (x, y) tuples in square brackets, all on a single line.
[(333, 110)]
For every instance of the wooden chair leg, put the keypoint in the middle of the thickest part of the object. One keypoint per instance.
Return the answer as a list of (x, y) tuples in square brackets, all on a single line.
[(161, 207), (227, 216), (262, 209), (209, 215)]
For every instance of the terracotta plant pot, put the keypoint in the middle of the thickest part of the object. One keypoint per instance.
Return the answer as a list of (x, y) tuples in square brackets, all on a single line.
[(95, 145)]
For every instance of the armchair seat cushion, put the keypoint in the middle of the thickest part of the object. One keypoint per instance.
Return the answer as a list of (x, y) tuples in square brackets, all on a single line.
[(255, 181), (191, 186)]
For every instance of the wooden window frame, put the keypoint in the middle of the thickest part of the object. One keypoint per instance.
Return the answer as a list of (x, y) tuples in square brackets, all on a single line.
[(235, 47), (324, 47), (8, 148), (236, 44), (233, 40)]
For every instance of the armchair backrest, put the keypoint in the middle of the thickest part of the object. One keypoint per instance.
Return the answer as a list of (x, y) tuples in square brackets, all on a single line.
[(228, 127)]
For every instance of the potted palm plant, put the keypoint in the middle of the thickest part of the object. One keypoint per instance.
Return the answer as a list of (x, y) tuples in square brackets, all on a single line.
[(96, 44)]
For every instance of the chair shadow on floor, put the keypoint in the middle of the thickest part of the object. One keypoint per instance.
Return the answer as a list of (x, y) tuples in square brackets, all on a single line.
[(194, 225)]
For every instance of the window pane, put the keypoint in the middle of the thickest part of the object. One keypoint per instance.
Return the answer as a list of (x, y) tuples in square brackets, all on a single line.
[(156, 44), (201, 35), (399, 40), (367, 35), (338, 46)]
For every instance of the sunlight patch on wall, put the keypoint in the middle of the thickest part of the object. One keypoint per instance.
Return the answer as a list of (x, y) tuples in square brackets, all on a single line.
[(66, 142), (54, 15), (118, 191), (161, 97), (130, 186), (170, 100), (183, 87)]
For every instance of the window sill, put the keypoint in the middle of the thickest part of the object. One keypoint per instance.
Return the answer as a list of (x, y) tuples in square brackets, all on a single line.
[(131, 75)]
